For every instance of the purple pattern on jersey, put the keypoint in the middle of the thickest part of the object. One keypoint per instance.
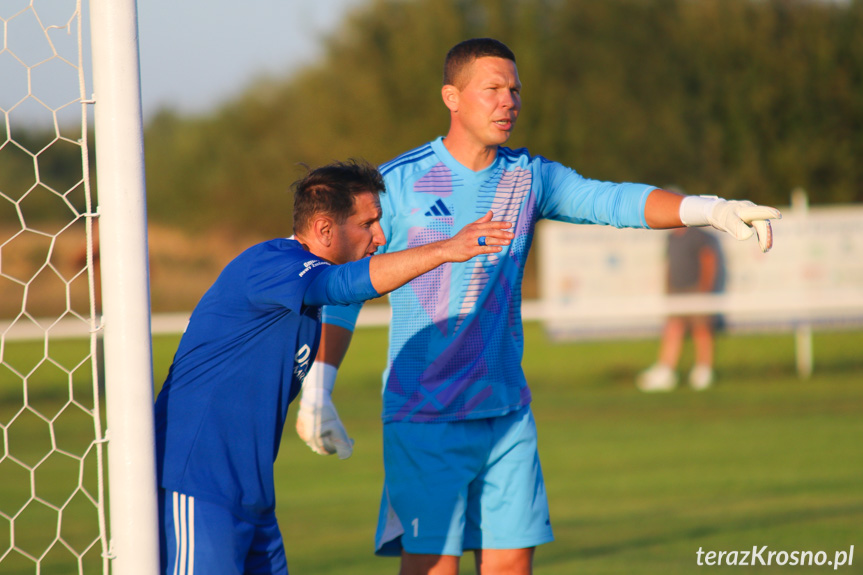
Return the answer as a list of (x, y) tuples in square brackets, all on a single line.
[(437, 181), (456, 380), (524, 230), (512, 187), (432, 288), (439, 388), (477, 280), (507, 198)]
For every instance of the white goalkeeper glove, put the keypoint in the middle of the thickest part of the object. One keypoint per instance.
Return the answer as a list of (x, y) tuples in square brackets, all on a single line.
[(318, 422), (740, 218)]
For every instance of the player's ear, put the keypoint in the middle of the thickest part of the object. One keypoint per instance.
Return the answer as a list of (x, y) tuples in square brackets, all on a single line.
[(322, 228), (450, 95)]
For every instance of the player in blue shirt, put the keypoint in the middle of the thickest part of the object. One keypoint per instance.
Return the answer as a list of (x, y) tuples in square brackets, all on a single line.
[(249, 344), (461, 465)]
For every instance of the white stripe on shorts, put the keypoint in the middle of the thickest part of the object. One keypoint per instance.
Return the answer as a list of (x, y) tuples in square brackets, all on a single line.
[(184, 534)]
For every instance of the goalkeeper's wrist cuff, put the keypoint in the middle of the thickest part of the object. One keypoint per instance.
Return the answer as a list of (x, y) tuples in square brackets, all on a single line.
[(319, 383), (696, 210)]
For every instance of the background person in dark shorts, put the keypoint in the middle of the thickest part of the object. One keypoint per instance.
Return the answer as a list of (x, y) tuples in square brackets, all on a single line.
[(695, 265)]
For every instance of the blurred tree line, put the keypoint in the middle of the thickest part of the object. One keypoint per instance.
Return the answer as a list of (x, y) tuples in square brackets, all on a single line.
[(739, 98)]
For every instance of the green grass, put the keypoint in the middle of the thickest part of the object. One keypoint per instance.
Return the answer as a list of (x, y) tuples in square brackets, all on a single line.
[(637, 483)]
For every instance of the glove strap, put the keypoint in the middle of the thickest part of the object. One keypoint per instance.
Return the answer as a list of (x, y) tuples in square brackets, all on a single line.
[(319, 383), (696, 210)]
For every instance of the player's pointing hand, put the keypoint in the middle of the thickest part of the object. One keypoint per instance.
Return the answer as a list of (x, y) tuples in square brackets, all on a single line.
[(483, 236), (741, 219)]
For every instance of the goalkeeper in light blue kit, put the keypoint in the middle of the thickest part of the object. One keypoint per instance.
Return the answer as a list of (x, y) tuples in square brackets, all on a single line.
[(250, 342), (462, 470)]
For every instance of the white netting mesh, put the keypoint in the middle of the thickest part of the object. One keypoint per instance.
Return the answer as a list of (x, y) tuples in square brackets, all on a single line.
[(51, 495)]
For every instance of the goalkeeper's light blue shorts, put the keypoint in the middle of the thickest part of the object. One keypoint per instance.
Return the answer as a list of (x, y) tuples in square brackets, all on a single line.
[(456, 486), (199, 537)]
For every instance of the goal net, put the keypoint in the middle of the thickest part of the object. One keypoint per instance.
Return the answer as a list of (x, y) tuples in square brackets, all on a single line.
[(53, 459)]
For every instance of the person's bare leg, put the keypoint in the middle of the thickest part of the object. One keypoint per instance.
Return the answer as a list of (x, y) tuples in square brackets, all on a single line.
[(672, 341), (701, 376), (424, 564), (504, 561), (702, 338)]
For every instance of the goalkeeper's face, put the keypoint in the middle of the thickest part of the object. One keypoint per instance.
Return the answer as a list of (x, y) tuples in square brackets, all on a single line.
[(361, 234), (484, 110)]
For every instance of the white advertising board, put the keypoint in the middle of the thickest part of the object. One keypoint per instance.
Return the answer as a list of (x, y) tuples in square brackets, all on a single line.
[(596, 280)]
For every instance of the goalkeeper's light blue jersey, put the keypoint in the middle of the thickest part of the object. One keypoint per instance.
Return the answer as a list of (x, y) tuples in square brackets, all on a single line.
[(456, 337), (249, 344)]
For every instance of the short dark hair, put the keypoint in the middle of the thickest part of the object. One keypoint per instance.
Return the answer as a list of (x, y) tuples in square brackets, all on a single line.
[(464, 53), (331, 190)]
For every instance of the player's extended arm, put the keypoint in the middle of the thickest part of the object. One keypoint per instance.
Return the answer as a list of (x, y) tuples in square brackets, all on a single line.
[(740, 218), (358, 281), (484, 236)]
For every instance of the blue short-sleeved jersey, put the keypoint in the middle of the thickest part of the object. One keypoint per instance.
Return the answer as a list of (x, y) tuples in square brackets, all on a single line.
[(242, 359), (456, 338)]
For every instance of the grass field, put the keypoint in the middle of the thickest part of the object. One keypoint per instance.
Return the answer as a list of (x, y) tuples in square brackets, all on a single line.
[(637, 483)]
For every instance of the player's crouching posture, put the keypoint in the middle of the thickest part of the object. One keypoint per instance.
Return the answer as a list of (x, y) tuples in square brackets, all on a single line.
[(249, 344)]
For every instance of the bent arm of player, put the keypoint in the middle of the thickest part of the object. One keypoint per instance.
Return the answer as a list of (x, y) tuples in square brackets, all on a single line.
[(740, 218), (318, 423)]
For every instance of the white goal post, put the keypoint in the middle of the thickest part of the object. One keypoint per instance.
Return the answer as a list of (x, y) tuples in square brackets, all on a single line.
[(125, 287)]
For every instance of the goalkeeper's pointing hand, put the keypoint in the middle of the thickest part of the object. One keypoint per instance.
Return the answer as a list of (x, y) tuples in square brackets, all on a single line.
[(740, 218), (318, 422)]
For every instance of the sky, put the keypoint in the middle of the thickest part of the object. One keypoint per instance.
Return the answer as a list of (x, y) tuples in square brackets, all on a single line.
[(194, 54)]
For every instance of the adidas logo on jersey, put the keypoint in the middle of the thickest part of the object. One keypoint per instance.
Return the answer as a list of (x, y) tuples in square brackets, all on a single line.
[(438, 209)]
